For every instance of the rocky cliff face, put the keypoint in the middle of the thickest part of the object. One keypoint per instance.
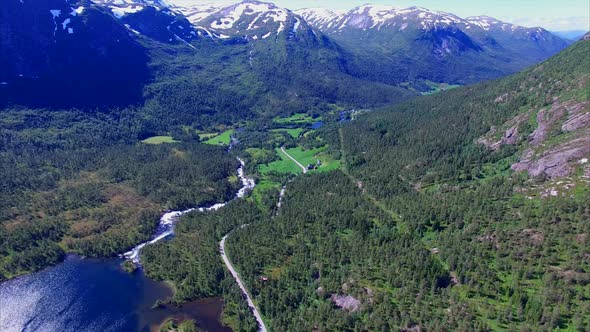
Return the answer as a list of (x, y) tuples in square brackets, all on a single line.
[(557, 149)]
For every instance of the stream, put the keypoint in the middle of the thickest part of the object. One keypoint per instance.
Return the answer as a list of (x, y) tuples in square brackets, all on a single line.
[(169, 220), (97, 295)]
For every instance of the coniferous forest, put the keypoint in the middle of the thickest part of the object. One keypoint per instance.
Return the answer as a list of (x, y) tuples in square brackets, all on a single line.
[(378, 206)]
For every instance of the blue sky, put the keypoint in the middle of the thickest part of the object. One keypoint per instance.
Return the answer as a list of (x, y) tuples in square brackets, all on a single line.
[(556, 15)]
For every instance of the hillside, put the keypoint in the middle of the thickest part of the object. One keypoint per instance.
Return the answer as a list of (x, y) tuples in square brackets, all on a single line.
[(138, 47), (416, 45), (430, 223), (538, 115), (50, 49), (495, 177)]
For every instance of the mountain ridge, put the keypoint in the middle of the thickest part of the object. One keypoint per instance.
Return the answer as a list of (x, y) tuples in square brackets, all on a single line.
[(412, 49)]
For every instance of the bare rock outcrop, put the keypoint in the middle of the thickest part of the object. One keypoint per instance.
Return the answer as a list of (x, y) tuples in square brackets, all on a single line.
[(510, 136), (346, 302), (558, 159), (553, 157), (556, 162), (533, 236), (578, 117)]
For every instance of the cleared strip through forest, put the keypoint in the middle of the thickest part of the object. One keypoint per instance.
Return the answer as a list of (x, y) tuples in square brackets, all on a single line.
[(234, 273)]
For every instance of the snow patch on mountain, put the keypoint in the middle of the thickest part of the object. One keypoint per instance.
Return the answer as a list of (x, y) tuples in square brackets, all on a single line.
[(487, 23), (77, 11), (320, 17), (65, 23), (230, 15), (196, 13), (119, 12), (55, 13)]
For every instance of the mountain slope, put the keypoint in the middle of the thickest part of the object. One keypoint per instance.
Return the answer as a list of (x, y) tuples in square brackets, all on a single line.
[(496, 178), (151, 18), (416, 44), (46, 49)]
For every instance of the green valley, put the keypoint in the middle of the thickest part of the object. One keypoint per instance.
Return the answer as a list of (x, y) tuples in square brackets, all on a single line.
[(176, 166)]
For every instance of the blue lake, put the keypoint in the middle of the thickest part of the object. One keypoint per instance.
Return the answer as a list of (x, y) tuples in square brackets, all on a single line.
[(94, 295), (317, 125)]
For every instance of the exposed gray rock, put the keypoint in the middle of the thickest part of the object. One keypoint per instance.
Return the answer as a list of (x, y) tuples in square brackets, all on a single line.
[(502, 98), (576, 122), (346, 302), (412, 328), (556, 162), (578, 117), (510, 136), (533, 236), (320, 291)]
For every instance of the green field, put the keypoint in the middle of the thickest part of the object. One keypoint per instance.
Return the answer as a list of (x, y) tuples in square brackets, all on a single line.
[(222, 139), (160, 140), (310, 157), (305, 157), (206, 136), (439, 87), (261, 188), (285, 165), (295, 133), (299, 118)]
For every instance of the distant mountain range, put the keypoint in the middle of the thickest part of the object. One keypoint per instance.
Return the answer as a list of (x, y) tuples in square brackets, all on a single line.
[(407, 50), (417, 43), (570, 34)]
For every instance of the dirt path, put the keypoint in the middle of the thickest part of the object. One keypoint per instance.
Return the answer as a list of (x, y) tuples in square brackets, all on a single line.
[(294, 160), (234, 273)]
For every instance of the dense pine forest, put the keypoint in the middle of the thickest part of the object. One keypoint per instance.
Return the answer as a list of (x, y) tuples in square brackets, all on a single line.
[(374, 209), (431, 228), (73, 182)]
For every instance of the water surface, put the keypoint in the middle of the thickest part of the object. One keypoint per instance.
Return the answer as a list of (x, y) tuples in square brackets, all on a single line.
[(94, 295)]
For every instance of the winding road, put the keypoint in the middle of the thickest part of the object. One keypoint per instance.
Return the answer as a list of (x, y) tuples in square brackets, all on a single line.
[(294, 160), (230, 267)]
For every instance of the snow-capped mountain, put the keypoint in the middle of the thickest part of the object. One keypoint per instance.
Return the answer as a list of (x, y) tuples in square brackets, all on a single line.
[(425, 44), (252, 19), (121, 8), (396, 46), (197, 12), (151, 18), (322, 18), (378, 17)]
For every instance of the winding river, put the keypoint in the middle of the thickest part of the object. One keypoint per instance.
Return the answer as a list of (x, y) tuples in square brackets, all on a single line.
[(97, 295), (169, 220)]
